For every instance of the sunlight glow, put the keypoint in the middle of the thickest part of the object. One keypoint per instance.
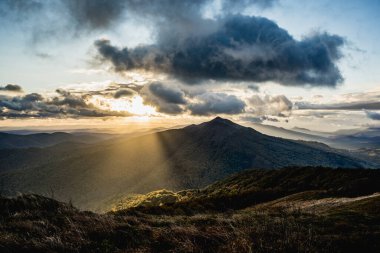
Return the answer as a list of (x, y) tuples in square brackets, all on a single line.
[(134, 105)]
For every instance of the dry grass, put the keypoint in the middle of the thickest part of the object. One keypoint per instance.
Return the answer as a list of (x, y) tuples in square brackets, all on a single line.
[(35, 224), (297, 210)]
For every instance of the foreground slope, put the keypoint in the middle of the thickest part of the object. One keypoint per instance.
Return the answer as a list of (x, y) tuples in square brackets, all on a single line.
[(176, 159), (32, 223), (252, 187)]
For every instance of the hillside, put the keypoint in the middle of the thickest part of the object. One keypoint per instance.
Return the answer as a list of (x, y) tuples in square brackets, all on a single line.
[(257, 186), (176, 159), (41, 140), (334, 217)]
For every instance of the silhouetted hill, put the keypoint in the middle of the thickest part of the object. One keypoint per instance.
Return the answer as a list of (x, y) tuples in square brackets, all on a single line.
[(176, 159)]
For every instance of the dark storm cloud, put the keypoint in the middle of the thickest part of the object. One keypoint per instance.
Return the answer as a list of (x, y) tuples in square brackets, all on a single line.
[(216, 103), (11, 87), (373, 115), (168, 94), (242, 48), (167, 108), (164, 98)]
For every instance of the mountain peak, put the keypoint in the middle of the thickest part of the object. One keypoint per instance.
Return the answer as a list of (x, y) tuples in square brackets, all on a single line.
[(217, 125), (219, 120)]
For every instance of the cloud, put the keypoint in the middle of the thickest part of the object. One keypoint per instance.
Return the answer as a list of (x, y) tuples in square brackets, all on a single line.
[(368, 100), (20, 103), (188, 44), (237, 6), (352, 106), (216, 103), (252, 119), (165, 99), (54, 18), (253, 87), (43, 55), (240, 48), (94, 14), (261, 119), (270, 119), (75, 15), (68, 99), (124, 93), (64, 104), (373, 115), (11, 87), (20, 6), (270, 105), (169, 95)]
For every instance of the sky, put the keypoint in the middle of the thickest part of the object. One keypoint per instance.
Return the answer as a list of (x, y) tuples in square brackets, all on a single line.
[(104, 64)]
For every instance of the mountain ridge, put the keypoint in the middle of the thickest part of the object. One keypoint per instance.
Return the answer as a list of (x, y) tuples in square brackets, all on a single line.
[(190, 157)]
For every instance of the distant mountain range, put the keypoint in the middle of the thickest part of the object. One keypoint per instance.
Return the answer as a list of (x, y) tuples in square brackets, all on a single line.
[(41, 140), (190, 157), (344, 139)]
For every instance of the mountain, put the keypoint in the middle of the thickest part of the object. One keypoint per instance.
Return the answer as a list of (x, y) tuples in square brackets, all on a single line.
[(351, 139), (190, 157), (369, 138), (294, 134), (286, 210), (40, 140)]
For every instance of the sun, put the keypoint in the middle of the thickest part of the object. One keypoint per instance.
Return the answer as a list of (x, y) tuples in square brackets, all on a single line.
[(135, 106)]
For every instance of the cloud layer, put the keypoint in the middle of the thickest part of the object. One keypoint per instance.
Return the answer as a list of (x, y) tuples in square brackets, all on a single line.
[(350, 106), (76, 103), (63, 104)]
